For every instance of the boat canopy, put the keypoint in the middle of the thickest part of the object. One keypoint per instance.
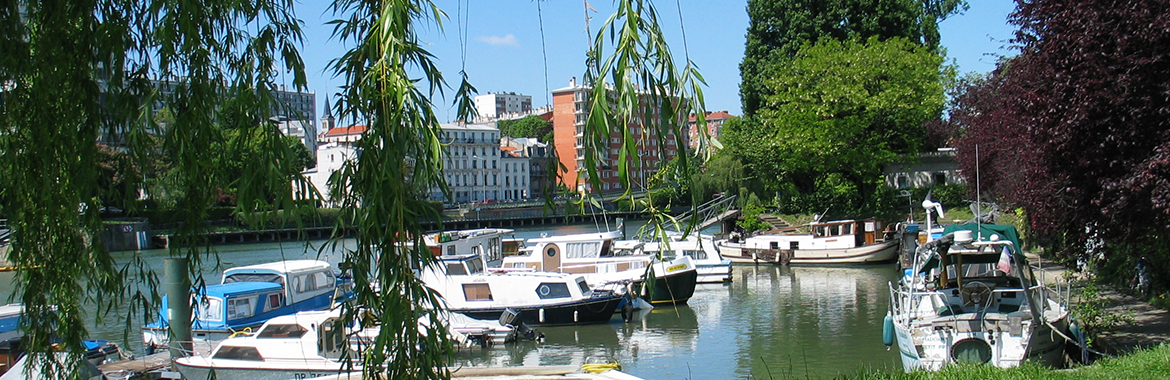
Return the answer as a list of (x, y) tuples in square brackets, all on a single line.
[(981, 233)]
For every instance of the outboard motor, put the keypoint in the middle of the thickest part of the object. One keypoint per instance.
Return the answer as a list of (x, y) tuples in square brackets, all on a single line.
[(520, 331)]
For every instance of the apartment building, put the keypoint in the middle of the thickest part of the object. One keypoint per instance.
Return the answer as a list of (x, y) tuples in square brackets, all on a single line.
[(570, 110), (715, 122), (495, 106), (478, 169)]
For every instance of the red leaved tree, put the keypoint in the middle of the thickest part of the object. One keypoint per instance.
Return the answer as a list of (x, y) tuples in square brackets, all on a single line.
[(1076, 128)]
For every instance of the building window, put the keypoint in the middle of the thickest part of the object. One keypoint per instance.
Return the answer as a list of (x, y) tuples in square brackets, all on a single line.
[(940, 179), (903, 181)]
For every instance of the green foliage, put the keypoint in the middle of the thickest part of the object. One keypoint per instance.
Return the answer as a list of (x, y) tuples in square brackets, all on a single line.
[(724, 173), (1090, 311), (779, 28), (1148, 363), (840, 111), (389, 79), (89, 65), (528, 126), (751, 222)]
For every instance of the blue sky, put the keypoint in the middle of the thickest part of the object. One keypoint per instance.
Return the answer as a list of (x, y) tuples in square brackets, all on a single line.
[(504, 52)]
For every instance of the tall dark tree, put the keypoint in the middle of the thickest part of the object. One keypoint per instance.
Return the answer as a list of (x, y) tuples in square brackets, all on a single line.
[(1088, 94)]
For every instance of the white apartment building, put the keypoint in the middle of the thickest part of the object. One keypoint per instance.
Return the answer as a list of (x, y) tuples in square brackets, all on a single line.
[(477, 169), (495, 106), (302, 130), (330, 157)]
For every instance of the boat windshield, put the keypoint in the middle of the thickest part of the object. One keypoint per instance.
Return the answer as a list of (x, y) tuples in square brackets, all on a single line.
[(282, 331), (210, 309)]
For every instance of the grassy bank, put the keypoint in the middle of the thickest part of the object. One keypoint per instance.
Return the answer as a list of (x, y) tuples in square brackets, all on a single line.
[(1152, 363)]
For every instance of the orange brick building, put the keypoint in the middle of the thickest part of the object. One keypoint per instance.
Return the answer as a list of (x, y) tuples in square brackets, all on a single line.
[(570, 110)]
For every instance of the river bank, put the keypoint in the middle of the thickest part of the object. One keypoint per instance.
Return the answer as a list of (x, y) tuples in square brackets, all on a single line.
[(1142, 325)]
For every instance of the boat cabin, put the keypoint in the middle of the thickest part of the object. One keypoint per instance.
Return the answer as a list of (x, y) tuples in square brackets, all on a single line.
[(978, 273), (486, 242), (303, 280), (235, 304), (465, 274), (579, 253)]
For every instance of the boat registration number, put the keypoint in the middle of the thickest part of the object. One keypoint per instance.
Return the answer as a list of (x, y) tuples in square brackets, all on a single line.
[(309, 375), (673, 268)]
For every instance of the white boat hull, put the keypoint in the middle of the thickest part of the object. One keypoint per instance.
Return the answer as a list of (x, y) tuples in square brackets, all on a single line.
[(874, 253), (266, 370), (930, 350), (714, 273)]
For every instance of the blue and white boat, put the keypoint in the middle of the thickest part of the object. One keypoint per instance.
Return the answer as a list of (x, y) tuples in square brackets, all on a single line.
[(250, 295)]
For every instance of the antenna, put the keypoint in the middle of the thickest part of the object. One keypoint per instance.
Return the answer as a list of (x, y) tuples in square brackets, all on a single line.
[(978, 199)]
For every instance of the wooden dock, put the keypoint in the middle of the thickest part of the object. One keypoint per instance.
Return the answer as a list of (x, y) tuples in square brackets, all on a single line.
[(154, 363)]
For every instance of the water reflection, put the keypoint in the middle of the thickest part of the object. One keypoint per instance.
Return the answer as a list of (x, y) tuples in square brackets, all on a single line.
[(770, 322)]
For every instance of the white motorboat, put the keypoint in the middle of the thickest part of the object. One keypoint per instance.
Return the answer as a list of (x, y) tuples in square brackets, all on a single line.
[(603, 259), (305, 345), (538, 297), (971, 298), (835, 242)]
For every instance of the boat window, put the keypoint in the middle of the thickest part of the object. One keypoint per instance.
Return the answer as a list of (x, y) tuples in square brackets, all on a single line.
[(210, 309), (254, 277), (584, 286), (477, 292), (582, 250), (239, 353), (548, 290), (275, 301), (696, 254), (847, 229), (794, 245), (494, 248), (456, 269), (241, 307), (313, 281), (821, 231), (282, 331), (475, 265)]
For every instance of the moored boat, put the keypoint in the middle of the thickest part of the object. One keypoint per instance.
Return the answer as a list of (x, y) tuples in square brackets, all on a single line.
[(547, 298), (835, 242), (710, 265), (604, 259), (971, 298), (250, 295), (305, 345), (487, 242)]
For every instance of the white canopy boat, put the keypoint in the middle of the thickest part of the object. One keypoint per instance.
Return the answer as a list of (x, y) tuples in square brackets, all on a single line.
[(971, 298)]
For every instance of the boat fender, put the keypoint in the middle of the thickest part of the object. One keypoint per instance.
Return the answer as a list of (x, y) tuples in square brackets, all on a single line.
[(541, 315), (888, 331), (627, 312), (575, 316)]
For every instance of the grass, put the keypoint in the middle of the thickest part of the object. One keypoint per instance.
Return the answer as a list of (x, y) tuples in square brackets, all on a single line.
[(1151, 363)]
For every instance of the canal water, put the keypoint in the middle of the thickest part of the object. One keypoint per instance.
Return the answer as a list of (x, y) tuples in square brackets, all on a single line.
[(770, 322)]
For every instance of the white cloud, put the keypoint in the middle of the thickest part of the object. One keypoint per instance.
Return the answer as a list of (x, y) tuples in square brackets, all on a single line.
[(508, 40)]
